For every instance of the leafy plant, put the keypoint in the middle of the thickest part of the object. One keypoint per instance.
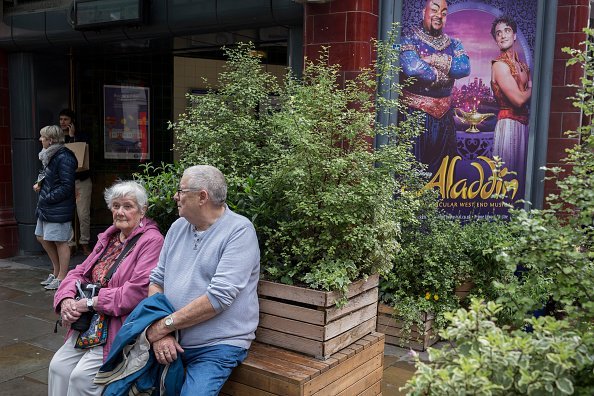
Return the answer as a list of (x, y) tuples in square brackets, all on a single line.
[(161, 183), (339, 220), (229, 127), (485, 359), (550, 253), (304, 170)]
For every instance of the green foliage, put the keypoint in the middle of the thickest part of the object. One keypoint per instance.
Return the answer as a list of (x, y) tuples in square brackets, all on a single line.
[(304, 170), (161, 183), (551, 250), (438, 254), (230, 127), (485, 359), (339, 220)]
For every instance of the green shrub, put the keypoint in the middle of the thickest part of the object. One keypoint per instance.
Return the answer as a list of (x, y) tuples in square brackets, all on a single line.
[(485, 359), (551, 251), (161, 183)]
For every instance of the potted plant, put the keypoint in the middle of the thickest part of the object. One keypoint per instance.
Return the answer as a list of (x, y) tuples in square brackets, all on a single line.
[(321, 198), (441, 262)]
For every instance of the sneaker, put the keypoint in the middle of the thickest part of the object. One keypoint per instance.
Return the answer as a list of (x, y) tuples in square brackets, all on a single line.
[(49, 280), (54, 284)]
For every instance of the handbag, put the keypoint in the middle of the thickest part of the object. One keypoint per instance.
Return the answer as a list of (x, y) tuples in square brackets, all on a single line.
[(93, 325)]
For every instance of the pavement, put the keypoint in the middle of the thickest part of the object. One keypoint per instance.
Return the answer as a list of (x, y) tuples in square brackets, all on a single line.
[(28, 341)]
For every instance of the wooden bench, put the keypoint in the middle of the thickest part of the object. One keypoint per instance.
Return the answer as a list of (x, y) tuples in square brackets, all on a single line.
[(268, 370)]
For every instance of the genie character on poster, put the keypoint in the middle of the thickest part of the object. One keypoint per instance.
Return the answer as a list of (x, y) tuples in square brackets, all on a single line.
[(471, 64)]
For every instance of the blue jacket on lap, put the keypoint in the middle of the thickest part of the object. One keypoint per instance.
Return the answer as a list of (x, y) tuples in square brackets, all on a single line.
[(131, 363)]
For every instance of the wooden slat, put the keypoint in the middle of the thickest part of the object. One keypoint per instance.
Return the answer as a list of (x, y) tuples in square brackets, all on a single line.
[(392, 322), (305, 370), (289, 356), (292, 293), (407, 342), (315, 384), (355, 288), (362, 385), (278, 369), (362, 300), (314, 297), (236, 389), (291, 311), (263, 381), (346, 323), (388, 310), (290, 326), (350, 378), (374, 390), (346, 338), (289, 341)]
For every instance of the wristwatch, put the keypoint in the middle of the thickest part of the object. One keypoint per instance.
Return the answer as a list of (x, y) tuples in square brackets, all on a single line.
[(169, 323), (90, 304)]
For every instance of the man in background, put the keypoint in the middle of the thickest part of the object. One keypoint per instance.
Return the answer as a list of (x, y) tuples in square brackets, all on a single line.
[(83, 184)]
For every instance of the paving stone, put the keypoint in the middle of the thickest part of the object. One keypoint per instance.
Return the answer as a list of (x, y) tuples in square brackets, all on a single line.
[(20, 359), (39, 376), (22, 386), (23, 328)]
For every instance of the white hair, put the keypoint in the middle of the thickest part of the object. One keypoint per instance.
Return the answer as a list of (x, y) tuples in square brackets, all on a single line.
[(127, 188), (208, 178)]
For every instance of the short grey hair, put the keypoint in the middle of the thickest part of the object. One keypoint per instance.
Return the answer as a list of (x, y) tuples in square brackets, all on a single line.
[(54, 133), (209, 178), (127, 188)]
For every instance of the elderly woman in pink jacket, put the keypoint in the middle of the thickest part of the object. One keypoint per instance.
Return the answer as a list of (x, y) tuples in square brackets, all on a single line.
[(73, 367)]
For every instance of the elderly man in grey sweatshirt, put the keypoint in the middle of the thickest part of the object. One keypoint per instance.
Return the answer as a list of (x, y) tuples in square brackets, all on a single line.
[(208, 269)]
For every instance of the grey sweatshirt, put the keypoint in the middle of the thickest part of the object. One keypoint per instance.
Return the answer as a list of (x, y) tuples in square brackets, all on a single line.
[(223, 262)]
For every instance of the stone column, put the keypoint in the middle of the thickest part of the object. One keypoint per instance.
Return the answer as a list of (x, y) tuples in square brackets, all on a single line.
[(8, 225)]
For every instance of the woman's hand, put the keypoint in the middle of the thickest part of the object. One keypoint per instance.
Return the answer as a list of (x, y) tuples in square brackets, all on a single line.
[(36, 187), (69, 311), (166, 349), (81, 305)]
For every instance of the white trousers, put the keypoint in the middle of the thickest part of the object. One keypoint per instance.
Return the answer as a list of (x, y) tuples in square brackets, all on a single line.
[(72, 370), (84, 190)]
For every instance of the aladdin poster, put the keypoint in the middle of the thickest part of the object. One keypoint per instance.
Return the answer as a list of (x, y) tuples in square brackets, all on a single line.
[(126, 123), (472, 64)]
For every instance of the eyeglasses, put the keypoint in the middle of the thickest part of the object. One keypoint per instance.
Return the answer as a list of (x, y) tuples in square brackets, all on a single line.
[(181, 191)]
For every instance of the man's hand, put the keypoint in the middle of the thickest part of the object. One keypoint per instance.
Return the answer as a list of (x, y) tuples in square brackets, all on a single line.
[(166, 349), (36, 187)]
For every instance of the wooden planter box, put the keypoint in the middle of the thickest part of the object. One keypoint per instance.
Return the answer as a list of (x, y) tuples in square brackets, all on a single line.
[(417, 338), (268, 370), (464, 289), (308, 321)]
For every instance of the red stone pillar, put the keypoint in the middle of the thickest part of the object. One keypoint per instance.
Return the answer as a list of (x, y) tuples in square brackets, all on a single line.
[(8, 226), (572, 18), (347, 27)]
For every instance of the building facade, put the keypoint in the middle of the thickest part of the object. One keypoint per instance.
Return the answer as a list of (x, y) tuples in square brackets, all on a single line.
[(64, 53)]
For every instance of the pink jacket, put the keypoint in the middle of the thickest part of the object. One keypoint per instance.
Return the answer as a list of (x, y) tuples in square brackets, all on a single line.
[(128, 285)]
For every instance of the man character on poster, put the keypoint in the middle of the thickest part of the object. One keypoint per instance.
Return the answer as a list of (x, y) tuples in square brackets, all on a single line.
[(512, 88), (435, 61)]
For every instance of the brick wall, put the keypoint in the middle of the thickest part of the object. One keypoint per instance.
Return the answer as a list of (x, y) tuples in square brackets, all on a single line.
[(8, 228), (347, 26), (572, 18)]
